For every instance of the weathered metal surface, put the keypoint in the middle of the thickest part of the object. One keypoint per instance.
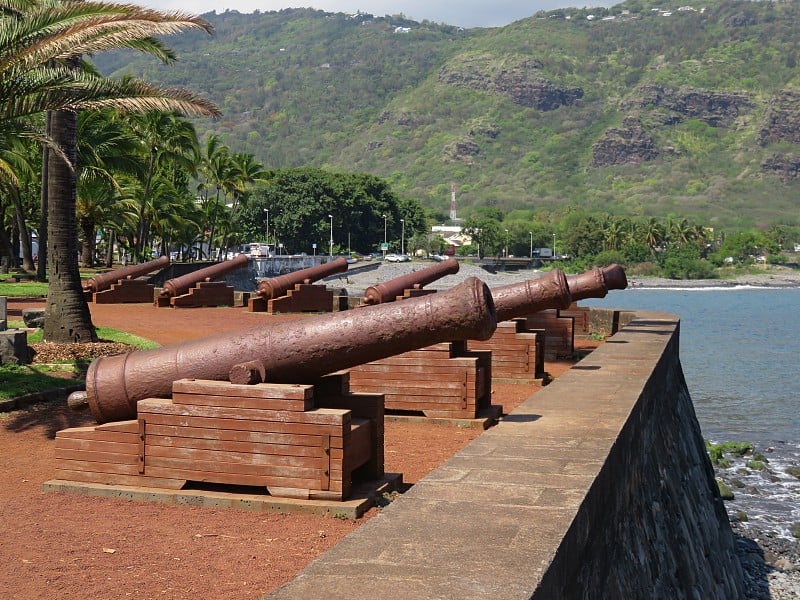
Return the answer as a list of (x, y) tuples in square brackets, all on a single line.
[(532, 295), (104, 281), (388, 291), (597, 282), (278, 286), (180, 285), (297, 351)]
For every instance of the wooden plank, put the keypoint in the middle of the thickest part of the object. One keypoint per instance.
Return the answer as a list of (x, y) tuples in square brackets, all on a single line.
[(318, 416), (117, 479), (288, 391), (390, 388), (232, 462), (93, 456), (239, 447), (95, 434), (284, 404), (131, 426), (97, 446), (99, 467), (142, 441), (232, 478), (242, 424), (233, 435), (325, 463), (410, 404)]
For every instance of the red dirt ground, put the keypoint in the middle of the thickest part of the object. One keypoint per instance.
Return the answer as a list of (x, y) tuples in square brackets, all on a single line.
[(72, 546)]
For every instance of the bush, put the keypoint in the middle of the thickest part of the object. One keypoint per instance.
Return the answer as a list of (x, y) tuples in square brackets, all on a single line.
[(608, 257)]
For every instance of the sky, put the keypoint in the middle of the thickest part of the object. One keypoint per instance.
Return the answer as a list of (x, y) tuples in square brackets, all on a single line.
[(465, 13)]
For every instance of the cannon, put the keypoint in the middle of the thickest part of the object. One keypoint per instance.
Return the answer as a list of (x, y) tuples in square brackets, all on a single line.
[(278, 286), (104, 281), (123, 285), (295, 351), (199, 288), (392, 289), (597, 282), (532, 295), (293, 292)]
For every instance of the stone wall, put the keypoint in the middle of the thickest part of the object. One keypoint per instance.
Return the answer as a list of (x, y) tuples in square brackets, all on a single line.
[(598, 486)]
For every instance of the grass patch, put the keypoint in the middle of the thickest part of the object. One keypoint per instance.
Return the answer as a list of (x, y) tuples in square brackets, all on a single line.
[(23, 288), (18, 380), (115, 335)]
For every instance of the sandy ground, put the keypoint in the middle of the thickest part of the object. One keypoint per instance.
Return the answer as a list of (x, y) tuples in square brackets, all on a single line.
[(70, 546)]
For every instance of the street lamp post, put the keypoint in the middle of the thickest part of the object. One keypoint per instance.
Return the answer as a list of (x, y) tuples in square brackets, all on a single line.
[(266, 210), (384, 237), (531, 234), (330, 247), (554, 246), (506, 243), (403, 237)]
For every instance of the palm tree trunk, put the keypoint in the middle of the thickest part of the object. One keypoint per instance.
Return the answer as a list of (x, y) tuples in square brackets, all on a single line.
[(41, 267), (67, 316), (24, 233)]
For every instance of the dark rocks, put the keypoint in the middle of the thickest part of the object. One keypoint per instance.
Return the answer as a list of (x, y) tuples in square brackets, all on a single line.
[(518, 80), (629, 144), (717, 108), (782, 119), (786, 167), (33, 317)]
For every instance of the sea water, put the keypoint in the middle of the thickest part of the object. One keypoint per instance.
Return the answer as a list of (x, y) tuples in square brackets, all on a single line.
[(740, 352)]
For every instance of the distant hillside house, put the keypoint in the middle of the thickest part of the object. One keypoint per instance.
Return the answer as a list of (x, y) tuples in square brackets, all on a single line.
[(452, 235)]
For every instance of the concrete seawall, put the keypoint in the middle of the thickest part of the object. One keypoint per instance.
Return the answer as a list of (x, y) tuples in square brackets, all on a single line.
[(596, 487)]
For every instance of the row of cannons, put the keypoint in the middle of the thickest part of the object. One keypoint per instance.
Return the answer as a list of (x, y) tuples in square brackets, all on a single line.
[(297, 407)]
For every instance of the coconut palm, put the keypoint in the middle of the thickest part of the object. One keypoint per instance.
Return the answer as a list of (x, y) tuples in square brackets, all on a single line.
[(41, 70)]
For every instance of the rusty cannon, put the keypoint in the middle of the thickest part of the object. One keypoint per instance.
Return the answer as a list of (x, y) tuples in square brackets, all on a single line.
[(297, 351), (596, 283), (394, 288), (123, 285), (532, 295), (200, 288), (104, 281), (293, 291)]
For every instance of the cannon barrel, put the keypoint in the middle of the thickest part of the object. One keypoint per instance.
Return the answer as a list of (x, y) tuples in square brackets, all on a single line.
[(180, 285), (532, 295), (597, 282), (276, 287), (388, 291), (297, 351), (104, 281)]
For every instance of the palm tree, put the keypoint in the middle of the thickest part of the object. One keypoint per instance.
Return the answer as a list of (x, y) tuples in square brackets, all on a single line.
[(40, 70)]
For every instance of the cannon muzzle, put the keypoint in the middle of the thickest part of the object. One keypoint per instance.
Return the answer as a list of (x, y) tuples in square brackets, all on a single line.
[(276, 287), (388, 291), (104, 281), (597, 282), (181, 285), (297, 351), (532, 295)]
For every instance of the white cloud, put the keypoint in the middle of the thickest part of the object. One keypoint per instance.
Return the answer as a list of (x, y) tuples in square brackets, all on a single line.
[(466, 13)]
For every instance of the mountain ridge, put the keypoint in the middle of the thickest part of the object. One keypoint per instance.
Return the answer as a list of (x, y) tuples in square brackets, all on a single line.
[(642, 109)]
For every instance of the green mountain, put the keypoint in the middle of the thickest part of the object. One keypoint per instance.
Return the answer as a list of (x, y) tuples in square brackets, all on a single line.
[(646, 108)]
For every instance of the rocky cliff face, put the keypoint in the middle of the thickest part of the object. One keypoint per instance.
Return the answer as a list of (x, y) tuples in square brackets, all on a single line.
[(787, 167), (782, 119), (521, 81), (629, 144), (718, 109)]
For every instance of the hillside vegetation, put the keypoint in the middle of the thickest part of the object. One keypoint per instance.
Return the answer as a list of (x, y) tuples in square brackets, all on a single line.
[(665, 109)]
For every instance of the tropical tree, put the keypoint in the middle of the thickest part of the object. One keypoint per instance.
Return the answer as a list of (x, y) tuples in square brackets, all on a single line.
[(41, 70)]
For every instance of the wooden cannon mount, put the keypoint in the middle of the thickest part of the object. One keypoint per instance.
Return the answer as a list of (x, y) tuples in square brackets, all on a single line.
[(295, 292), (199, 412), (123, 285), (297, 441), (199, 288)]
